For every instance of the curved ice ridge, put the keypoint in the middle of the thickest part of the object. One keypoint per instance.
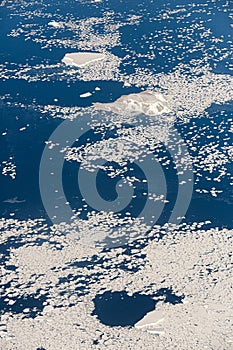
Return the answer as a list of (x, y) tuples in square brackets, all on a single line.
[(148, 102)]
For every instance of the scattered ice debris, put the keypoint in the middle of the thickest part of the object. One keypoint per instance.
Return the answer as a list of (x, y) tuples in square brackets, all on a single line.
[(8, 168), (129, 146), (126, 84), (214, 192)]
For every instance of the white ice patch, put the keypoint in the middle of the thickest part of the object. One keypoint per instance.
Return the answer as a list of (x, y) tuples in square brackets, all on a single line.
[(81, 59), (86, 94), (56, 24), (151, 322), (148, 102)]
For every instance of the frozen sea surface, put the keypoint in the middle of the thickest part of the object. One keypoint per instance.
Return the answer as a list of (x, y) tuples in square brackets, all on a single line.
[(116, 175)]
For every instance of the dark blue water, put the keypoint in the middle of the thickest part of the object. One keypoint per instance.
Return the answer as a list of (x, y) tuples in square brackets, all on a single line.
[(34, 304), (26, 147), (120, 309)]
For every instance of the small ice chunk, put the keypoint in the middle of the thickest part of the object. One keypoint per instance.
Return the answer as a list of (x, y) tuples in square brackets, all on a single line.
[(80, 59), (26, 310), (86, 94)]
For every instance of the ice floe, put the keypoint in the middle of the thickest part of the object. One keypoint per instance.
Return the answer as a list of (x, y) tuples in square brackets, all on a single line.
[(56, 24), (86, 94), (80, 59), (151, 322), (148, 102)]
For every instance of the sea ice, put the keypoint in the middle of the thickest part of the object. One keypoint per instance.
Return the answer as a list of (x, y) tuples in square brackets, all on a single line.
[(148, 102), (55, 24), (80, 59), (86, 94), (151, 322)]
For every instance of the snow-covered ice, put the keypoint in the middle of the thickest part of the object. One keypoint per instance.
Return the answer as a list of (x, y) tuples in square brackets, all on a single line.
[(80, 59)]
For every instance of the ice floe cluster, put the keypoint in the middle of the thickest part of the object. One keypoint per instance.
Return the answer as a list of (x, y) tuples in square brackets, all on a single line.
[(130, 145), (50, 275), (8, 168), (64, 276)]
